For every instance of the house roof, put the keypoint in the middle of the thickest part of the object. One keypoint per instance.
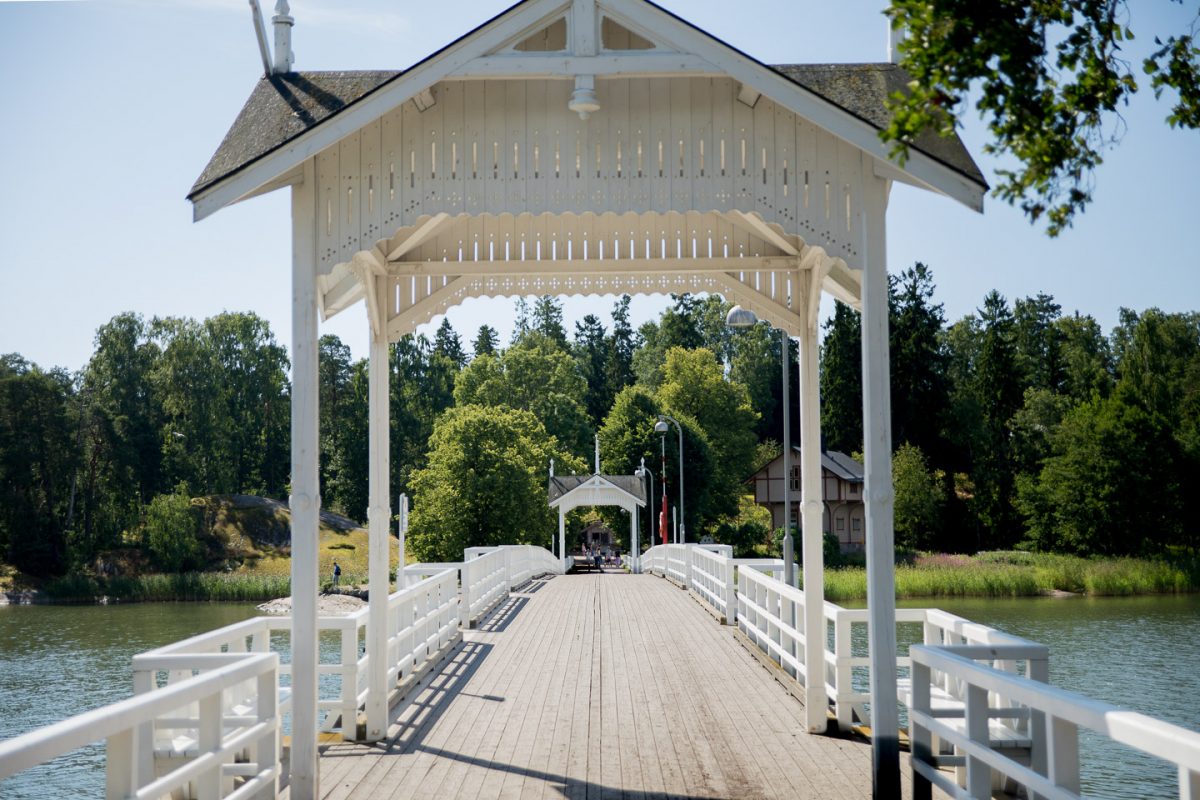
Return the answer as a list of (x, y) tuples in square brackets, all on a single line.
[(840, 464), (282, 107), (630, 484)]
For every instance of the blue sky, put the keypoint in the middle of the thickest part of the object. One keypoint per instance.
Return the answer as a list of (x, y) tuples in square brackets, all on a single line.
[(110, 109)]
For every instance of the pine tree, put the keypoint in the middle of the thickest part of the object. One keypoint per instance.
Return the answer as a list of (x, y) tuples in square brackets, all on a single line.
[(485, 342), (446, 342), (841, 382)]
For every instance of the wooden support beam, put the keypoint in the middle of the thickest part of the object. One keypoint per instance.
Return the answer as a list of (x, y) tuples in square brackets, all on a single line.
[(592, 267), (558, 66), (423, 232), (755, 225)]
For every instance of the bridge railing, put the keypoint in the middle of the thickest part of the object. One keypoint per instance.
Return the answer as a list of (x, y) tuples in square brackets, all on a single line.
[(230, 743), (751, 594), (1052, 768), (936, 627), (205, 702)]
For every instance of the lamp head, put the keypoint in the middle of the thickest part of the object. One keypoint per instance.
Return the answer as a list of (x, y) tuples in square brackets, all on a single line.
[(741, 318), (661, 426)]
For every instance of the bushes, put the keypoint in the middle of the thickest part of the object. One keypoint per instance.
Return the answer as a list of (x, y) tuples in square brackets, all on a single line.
[(208, 586), (170, 531)]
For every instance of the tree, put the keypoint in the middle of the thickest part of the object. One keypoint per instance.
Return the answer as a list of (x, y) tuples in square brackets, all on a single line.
[(1038, 341), (592, 351), (919, 499), (534, 375), (628, 436), (621, 344), (679, 326), (756, 363), (1051, 78), (37, 457), (118, 430), (1110, 486), (841, 381), (694, 387), (1086, 358), (447, 343), (548, 319), (170, 532), (485, 483), (919, 395), (486, 341), (997, 388)]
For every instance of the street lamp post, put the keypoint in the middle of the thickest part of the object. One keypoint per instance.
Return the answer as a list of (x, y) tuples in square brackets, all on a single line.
[(661, 427), (741, 318)]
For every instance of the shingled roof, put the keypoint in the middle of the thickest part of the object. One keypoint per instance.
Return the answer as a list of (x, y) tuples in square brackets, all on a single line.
[(282, 107)]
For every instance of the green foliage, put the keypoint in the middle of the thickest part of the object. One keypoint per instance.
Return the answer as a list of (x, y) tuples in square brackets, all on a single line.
[(37, 460), (193, 586), (486, 341), (695, 389), (170, 531), (919, 499), (1048, 78), (841, 381), (1109, 457), (1018, 574), (485, 483), (535, 375)]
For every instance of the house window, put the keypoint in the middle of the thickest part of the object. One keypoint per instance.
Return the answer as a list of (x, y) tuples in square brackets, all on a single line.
[(857, 523), (853, 489), (795, 479), (841, 524)]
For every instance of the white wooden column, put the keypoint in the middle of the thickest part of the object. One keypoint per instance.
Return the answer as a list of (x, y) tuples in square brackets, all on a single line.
[(813, 547), (633, 521), (562, 537), (305, 501), (879, 494), (378, 511)]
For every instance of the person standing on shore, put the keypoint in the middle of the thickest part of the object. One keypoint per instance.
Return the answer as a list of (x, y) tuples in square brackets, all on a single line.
[(337, 573)]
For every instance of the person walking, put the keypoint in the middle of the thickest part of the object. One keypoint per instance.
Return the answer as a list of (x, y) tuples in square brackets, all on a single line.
[(337, 573)]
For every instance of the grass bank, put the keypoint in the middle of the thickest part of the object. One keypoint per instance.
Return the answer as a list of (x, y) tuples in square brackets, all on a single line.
[(205, 586), (1020, 574)]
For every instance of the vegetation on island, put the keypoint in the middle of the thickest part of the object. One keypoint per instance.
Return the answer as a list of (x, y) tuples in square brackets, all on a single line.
[(1016, 429)]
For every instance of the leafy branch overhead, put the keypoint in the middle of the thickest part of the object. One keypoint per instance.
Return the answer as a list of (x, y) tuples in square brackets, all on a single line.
[(1049, 79)]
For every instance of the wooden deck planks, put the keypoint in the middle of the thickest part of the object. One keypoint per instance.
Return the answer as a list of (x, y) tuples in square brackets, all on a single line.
[(596, 687)]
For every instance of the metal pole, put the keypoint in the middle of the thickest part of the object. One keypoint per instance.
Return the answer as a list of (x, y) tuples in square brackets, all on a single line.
[(661, 427), (682, 518), (663, 440), (789, 546)]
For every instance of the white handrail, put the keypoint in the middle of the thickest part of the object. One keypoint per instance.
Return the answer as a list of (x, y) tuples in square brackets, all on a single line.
[(222, 737), (1054, 772)]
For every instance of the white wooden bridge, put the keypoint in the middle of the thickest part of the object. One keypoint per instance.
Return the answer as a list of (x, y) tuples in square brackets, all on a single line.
[(507, 678), (587, 147)]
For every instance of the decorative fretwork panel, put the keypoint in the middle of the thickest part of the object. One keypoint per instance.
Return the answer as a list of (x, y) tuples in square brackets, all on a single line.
[(657, 144)]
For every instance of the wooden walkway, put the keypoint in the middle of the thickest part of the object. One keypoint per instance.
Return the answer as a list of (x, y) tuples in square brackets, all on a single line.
[(601, 686)]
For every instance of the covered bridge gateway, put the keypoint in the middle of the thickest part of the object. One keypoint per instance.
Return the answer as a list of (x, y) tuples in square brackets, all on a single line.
[(579, 147)]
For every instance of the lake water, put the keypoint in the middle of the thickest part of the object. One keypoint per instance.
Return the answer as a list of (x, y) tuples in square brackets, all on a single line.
[(1143, 653)]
